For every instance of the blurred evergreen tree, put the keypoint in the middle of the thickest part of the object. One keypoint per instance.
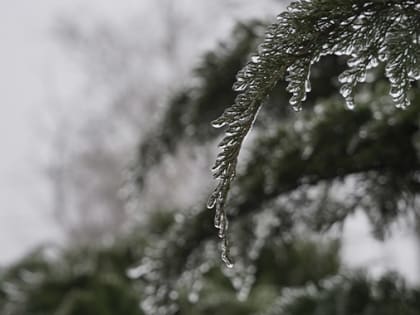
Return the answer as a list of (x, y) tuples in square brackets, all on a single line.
[(308, 171), (80, 281)]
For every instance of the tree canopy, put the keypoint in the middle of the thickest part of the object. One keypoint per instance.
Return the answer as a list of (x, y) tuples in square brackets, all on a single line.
[(296, 164)]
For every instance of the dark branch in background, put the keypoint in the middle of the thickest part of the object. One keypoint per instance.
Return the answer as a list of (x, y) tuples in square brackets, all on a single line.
[(361, 143)]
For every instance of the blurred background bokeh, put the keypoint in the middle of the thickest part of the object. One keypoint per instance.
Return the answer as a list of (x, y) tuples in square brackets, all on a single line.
[(105, 171)]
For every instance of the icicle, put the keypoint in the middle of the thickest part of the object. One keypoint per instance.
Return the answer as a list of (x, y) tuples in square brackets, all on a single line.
[(255, 59), (225, 253), (350, 103), (346, 90), (212, 201)]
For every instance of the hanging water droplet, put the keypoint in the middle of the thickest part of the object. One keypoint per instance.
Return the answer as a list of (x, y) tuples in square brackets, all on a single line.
[(211, 202), (346, 90), (374, 62), (344, 77), (350, 103), (362, 76), (256, 59), (225, 258), (396, 91), (222, 233), (353, 62), (222, 226), (294, 101), (414, 74), (297, 108), (308, 86)]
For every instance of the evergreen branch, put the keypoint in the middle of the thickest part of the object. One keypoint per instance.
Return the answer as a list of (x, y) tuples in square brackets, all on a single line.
[(368, 31)]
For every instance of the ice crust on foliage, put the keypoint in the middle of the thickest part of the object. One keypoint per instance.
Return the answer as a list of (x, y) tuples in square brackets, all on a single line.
[(369, 32)]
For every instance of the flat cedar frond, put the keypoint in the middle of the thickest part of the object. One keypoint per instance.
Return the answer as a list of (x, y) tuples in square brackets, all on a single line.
[(369, 32)]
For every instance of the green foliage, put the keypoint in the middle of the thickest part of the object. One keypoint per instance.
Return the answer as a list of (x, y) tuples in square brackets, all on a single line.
[(80, 281), (350, 295), (369, 32), (85, 281), (217, 294), (289, 181), (296, 277), (373, 150)]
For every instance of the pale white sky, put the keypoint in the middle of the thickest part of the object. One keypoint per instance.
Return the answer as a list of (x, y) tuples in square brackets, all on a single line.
[(35, 76), (31, 67), (34, 73)]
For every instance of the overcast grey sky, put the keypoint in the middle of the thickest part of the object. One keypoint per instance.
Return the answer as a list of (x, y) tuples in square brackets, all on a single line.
[(32, 70), (34, 74)]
